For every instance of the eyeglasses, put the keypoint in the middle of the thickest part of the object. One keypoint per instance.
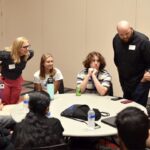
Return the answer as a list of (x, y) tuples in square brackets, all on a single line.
[(26, 46)]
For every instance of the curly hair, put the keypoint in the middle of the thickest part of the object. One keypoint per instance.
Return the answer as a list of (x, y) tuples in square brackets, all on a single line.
[(89, 58)]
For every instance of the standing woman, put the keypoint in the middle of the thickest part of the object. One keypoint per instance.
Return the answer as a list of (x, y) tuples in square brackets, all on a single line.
[(94, 78), (47, 70), (13, 61)]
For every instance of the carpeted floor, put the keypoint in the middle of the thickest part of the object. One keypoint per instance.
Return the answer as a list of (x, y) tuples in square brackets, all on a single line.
[(28, 87)]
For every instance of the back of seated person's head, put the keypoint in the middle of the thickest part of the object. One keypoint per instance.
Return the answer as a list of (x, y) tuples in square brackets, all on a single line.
[(36, 129), (132, 124), (39, 102)]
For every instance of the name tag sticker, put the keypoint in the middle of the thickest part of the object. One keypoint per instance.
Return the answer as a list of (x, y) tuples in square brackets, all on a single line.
[(132, 47), (11, 66), (1, 86)]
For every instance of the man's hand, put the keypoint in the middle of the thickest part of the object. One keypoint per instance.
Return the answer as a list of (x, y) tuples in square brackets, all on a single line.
[(146, 76)]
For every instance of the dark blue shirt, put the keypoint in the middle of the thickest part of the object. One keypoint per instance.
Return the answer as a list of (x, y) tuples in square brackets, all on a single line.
[(131, 58)]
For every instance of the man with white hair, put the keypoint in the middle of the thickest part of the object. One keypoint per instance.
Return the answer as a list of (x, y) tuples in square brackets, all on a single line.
[(132, 59)]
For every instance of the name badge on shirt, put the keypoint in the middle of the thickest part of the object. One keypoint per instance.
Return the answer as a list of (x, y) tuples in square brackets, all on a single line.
[(132, 47), (1, 86), (11, 66)]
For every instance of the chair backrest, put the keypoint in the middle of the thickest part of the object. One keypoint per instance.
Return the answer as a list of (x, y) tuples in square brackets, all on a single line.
[(110, 90), (63, 146), (61, 87)]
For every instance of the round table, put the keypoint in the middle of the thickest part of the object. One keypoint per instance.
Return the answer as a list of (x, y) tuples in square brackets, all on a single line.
[(75, 128)]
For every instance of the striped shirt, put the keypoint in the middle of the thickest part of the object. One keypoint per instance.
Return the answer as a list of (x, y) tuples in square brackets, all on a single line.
[(103, 76)]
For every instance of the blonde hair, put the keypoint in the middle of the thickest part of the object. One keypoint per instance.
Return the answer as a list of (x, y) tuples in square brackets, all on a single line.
[(15, 47)]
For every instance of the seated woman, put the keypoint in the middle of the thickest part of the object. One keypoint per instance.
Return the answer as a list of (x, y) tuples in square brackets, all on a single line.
[(47, 70), (94, 78), (37, 130)]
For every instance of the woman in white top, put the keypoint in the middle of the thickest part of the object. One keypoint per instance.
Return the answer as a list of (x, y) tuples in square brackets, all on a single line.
[(47, 70)]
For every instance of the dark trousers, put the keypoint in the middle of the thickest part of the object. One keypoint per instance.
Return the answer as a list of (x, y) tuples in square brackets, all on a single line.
[(140, 94), (7, 122)]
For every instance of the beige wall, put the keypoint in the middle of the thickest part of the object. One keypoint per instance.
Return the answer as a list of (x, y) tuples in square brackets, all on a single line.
[(70, 29)]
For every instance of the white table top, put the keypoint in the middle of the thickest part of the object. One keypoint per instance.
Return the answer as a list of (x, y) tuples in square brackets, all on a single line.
[(76, 128)]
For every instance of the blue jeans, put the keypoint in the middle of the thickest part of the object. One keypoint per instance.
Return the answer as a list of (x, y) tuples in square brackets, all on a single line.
[(140, 94)]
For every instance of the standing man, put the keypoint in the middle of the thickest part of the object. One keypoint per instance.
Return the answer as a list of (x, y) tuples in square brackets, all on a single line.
[(132, 59)]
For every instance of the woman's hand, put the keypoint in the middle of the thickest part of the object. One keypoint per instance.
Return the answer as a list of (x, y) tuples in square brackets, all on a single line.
[(1, 105)]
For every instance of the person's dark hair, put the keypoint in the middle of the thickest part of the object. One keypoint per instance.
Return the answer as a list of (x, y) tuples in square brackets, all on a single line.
[(132, 124), (89, 58), (35, 130), (39, 102)]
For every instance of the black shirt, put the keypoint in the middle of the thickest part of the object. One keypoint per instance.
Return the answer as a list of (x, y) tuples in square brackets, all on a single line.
[(47, 132), (131, 58), (5, 143), (11, 70)]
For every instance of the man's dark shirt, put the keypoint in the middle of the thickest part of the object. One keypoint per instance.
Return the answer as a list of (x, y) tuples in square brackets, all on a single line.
[(132, 59)]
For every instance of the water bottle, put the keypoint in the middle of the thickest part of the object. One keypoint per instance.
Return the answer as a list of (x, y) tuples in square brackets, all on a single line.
[(91, 119), (48, 114), (26, 102), (78, 90), (50, 87)]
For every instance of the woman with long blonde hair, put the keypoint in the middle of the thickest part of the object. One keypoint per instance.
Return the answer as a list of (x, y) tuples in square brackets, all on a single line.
[(13, 61)]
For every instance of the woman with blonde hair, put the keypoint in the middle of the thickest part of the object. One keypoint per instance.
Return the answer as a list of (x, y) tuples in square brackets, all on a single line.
[(47, 70), (13, 61)]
